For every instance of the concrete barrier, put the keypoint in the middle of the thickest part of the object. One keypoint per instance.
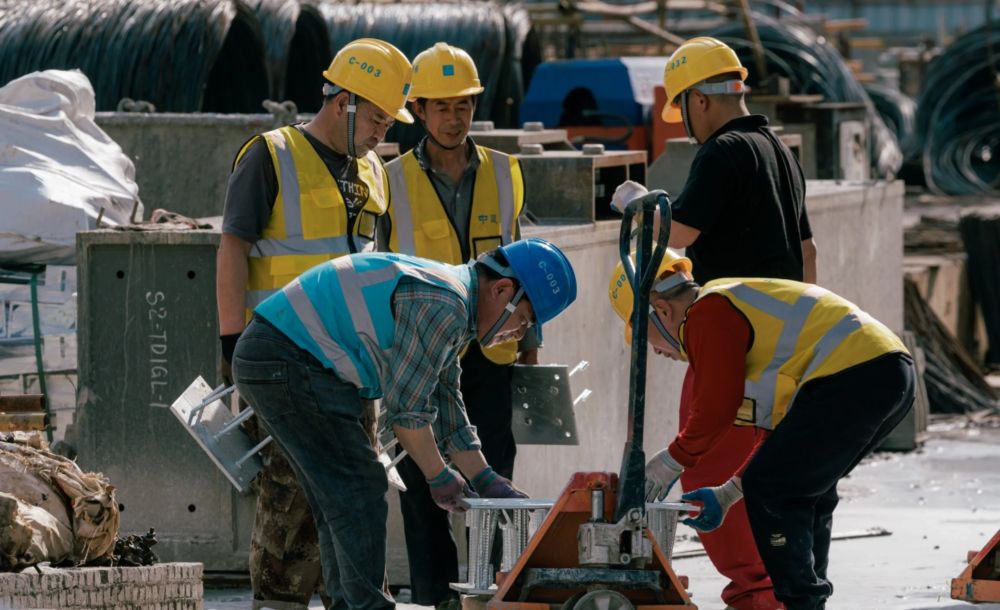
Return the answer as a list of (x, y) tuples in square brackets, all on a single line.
[(858, 228)]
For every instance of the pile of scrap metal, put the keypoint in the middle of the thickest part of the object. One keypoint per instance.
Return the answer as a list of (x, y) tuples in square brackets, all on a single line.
[(50, 510)]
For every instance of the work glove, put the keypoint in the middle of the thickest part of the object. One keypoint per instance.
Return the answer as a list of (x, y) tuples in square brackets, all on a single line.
[(449, 491), (626, 192), (716, 502), (662, 471), (489, 484)]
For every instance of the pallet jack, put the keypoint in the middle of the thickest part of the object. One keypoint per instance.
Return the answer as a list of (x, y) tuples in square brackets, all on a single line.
[(980, 580), (595, 549)]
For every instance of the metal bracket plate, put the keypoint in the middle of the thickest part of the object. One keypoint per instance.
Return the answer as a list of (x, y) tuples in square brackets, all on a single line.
[(231, 450), (226, 450), (543, 405)]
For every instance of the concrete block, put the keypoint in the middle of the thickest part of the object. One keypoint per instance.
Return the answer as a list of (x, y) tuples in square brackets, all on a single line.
[(183, 161)]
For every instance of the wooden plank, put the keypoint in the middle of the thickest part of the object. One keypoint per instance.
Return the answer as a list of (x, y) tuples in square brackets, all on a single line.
[(787, 99), (867, 43), (10, 422), (833, 26), (23, 403), (649, 28)]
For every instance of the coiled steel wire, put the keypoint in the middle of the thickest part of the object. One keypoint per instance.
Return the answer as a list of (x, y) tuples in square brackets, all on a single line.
[(181, 55), (899, 111), (812, 66), (479, 28), (958, 116), (297, 48)]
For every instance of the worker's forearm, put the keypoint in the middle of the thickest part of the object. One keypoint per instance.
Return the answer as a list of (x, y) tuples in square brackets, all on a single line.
[(230, 284), (421, 446), (470, 463), (809, 255)]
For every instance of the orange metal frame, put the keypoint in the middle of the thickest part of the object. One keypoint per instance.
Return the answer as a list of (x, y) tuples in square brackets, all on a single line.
[(554, 545), (980, 580)]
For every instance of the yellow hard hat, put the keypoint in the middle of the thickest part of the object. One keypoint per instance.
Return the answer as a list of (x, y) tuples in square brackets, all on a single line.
[(620, 290), (377, 71), (444, 71), (696, 60)]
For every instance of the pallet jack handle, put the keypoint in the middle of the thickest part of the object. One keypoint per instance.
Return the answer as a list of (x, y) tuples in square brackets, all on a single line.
[(641, 276)]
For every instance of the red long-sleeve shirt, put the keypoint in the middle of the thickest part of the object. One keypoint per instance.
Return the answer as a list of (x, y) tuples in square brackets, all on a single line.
[(717, 337)]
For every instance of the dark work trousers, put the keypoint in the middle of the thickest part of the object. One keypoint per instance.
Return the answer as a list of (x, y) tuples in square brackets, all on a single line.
[(316, 419), (790, 485), (430, 545)]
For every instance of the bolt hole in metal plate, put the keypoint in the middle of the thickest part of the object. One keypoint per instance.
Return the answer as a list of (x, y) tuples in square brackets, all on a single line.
[(543, 405)]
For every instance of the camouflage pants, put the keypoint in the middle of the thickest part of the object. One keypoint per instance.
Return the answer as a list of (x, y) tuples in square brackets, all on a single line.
[(284, 545)]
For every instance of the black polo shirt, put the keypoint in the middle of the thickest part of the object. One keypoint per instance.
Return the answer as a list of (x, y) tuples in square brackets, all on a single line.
[(746, 194)]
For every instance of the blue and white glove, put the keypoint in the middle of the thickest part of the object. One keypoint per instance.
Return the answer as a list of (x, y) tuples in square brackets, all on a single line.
[(662, 471), (626, 192), (716, 503)]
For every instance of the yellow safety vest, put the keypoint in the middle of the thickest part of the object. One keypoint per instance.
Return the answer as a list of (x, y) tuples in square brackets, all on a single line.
[(308, 224), (800, 332), (421, 226)]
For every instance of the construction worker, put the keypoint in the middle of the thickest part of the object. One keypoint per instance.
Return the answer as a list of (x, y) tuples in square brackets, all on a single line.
[(741, 213), (392, 326), (824, 382), (451, 201), (297, 196)]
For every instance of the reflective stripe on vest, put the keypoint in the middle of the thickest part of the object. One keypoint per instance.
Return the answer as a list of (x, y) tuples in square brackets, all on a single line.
[(291, 198), (293, 240), (505, 194), (309, 317), (422, 227), (403, 227), (813, 333), (794, 317), (354, 333)]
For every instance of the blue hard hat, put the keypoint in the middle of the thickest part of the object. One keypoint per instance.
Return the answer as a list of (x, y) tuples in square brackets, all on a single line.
[(545, 273)]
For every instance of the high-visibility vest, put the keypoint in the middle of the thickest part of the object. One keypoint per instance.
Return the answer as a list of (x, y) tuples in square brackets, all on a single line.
[(308, 224), (800, 332), (422, 227), (341, 312)]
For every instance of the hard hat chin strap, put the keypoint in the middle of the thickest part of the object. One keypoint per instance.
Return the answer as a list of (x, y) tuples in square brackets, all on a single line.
[(509, 308), (352, 111), (686, 116), (674, 343), (663, 286), (330, 90)]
